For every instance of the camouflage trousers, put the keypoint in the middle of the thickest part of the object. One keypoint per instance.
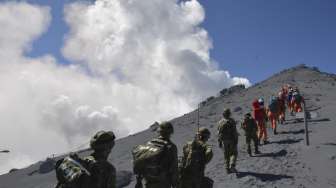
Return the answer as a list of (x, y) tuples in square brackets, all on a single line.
[(254, 138), (230, 154)]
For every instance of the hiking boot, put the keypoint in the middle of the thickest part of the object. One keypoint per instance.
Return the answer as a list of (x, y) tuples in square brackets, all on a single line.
[(249, 153), (233, 170), (257, 152), (266, 142), (228, 171), (275, 132)]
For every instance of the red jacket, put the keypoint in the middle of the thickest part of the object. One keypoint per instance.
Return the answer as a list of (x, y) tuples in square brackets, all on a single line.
[(258, 112)]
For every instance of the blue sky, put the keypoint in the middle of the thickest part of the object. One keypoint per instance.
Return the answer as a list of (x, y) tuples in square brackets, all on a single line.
[(253, 39)]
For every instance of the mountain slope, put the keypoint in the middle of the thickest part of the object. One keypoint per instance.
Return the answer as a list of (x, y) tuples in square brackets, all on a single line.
[(286, 162)]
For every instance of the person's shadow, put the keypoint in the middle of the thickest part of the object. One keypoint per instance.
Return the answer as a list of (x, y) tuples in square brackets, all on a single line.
[(287, 141), (301, 131), (280, 153), (264, 176)]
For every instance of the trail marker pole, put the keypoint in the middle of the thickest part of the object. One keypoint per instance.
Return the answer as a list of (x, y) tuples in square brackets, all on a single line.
[(198, 117)]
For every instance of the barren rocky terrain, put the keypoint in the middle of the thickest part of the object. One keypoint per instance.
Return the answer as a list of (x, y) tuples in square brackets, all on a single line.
[(285, 162)]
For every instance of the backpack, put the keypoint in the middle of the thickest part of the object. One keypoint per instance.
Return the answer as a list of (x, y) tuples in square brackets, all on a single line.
[(249, 125), (297, 98), (194, 157), (71, 172), (227, 130), (148, 158), (273, 106)]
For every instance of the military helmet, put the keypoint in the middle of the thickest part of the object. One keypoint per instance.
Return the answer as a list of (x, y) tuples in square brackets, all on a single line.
[(102, 140), (204, 132), (166, 128), (227, 112)]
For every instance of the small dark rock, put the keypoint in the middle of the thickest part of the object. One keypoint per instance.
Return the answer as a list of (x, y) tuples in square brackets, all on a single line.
[(232, 89), (210, 99), (154, 126), (237, 109), (13, 170)]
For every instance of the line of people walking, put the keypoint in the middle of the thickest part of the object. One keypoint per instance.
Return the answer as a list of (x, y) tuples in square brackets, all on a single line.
[(156, 163)]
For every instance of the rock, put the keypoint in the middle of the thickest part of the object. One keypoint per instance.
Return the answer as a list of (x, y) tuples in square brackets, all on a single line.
[(13, 170), (232, 89), (154, 126), (210, 99), (237, 109)]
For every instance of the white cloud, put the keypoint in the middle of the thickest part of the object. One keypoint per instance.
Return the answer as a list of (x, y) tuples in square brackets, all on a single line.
[(134, 62)]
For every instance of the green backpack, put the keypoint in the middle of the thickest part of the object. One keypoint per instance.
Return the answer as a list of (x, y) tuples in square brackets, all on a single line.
[(148, 158), (195, 156), (71, 172), (227, 130)]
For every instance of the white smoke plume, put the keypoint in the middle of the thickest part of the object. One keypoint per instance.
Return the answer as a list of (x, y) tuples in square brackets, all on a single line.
[(133, 62)]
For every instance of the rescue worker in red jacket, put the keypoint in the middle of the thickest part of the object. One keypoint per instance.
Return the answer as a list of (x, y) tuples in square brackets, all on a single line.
[(259, 115)]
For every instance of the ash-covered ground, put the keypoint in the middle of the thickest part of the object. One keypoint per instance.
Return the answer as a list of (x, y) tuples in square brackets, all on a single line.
[(285, 162)]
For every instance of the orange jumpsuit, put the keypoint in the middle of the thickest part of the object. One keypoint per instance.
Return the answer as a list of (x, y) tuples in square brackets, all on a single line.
[(260, 117)]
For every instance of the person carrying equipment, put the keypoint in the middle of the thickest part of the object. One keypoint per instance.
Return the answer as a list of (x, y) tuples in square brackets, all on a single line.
[(289, 100), (228, 138), (297, 100), (93, 171), (259, 114), (196, 154), (282, 107), (156, 162), (273, 109), (249, 125)]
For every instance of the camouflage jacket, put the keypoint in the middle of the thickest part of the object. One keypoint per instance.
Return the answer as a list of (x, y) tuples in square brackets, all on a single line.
[(250, 126), (103, 173), (227, 131), (170, 164), (196, 154)]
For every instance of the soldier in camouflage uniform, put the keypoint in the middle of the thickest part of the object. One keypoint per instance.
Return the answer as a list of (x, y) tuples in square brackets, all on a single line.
[(196, 154), (103, 172), (228, 137), (100, 173), (250, 127), (168, 176)]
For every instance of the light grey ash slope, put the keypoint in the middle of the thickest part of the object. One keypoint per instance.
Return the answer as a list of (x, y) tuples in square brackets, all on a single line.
[(286, 162)]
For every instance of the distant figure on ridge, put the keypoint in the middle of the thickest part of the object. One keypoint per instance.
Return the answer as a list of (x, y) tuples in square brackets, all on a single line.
[(228, 138), (155, 163), (196, 154), (250, 127), (93, 171)]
